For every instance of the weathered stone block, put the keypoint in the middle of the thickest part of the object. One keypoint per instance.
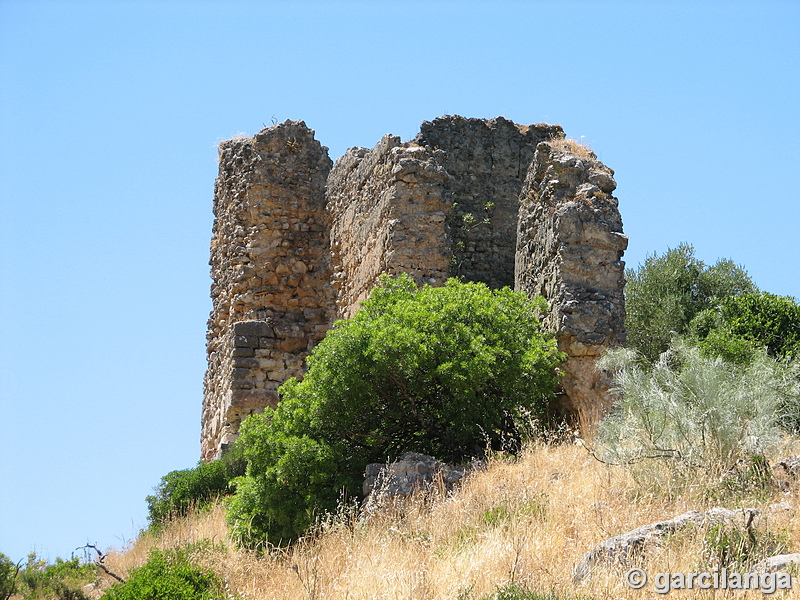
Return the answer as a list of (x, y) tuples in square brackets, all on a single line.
[(240, 373), (253, 329), (291, 344), (245, 362), (245, 341)]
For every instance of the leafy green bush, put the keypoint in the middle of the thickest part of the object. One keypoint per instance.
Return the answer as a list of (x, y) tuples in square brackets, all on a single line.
[(62, 580), (738, 326), (293, 479), (690, 415), (180, 490), (665, 293), (8, 577), (442, 371), (169, 575)]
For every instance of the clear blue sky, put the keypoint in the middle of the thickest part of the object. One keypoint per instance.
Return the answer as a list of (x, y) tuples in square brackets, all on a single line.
[(110, 113)]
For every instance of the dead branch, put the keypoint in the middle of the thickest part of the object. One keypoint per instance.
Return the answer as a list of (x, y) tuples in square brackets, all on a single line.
[(99, 561)]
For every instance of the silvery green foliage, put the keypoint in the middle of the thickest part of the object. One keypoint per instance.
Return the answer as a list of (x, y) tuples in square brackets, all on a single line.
[(688, 414)]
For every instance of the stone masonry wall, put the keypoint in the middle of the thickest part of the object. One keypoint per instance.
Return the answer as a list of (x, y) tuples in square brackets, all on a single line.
[(487, 162), (388, 209), (569, 249), (271, 291), (297, 244)]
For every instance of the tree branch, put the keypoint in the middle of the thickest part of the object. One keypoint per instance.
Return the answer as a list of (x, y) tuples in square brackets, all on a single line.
[(99, 561)]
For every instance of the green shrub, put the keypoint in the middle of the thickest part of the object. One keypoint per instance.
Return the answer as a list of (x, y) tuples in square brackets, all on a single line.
[(738, 326), (689, 415), (179, 491), (62, 580), (293, 480), (665, 293), (8, 577), (443, 371), (169, 575)]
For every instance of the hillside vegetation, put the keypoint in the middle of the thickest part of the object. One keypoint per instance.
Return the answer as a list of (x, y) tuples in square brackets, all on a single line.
[(707, 401), (522, 524)]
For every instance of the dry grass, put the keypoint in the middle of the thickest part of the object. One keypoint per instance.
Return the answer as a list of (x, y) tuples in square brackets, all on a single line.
[(573, 147), (528, 521)]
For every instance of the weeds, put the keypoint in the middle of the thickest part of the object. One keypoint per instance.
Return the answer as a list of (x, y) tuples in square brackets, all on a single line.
[(738, 549), (574, 147)]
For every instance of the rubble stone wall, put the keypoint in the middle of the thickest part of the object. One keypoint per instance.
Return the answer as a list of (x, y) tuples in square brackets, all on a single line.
[(388, 208), (487, 161), (271, 283), (569, 250), (298, 243)]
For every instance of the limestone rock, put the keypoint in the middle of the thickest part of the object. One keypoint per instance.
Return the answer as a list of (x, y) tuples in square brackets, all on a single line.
[(781, 562), (412, 472), (622, 549)]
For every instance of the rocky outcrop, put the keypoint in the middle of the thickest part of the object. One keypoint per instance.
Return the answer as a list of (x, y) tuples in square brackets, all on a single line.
[(412, 472), (298, 243), (780, 562)]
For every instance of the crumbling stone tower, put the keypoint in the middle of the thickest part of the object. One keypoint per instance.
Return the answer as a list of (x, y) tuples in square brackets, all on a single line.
[(271, 291), (297, 244)]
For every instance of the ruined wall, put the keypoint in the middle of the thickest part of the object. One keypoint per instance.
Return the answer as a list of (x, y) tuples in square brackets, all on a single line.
[(487, 161), (271, 292), (569, 249), (388, 208), (296, 245)]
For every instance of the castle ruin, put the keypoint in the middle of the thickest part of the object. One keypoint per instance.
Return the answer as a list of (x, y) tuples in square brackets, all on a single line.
[(298, 242)]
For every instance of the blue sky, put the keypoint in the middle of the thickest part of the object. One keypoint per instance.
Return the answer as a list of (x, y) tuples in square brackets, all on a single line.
[(110, 113)]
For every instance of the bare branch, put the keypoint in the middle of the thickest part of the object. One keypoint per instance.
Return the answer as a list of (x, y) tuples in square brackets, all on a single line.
[(99, 561)]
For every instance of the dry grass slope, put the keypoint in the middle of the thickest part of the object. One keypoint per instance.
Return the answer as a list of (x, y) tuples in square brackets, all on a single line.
[(528, 521)]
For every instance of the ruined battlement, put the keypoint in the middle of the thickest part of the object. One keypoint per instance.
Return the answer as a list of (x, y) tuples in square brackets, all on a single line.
[(298, 242)]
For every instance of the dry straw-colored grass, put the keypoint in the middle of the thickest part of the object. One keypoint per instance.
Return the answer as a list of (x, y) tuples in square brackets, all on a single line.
[(527, 521), (573, 147)]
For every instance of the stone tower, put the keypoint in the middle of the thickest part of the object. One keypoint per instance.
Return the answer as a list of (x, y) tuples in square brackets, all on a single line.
[(297, 244), (271, 283)]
